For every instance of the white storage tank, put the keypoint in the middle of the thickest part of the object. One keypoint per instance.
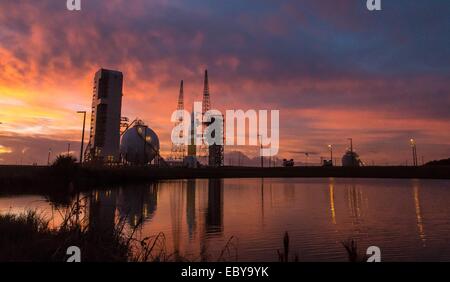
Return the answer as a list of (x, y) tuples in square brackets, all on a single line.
[(132, 148)]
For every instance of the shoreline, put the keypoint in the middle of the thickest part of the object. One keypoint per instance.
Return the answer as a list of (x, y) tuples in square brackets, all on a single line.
[(17, 176)]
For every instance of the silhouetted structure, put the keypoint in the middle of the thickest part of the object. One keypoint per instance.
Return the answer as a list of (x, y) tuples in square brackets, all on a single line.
[(206, 106), (105, 118), (178, 150), (414, 152), (351, 158), (216, 150), (140, 144), (444, 162)]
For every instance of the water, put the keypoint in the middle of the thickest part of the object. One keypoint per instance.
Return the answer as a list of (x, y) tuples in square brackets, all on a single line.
[(408, 219)]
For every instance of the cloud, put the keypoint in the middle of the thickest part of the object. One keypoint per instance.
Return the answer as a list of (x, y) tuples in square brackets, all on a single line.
[(5, 150), (331, 67)]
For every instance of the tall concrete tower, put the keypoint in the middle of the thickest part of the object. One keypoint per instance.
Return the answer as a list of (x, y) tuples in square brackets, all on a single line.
[(104, 139)]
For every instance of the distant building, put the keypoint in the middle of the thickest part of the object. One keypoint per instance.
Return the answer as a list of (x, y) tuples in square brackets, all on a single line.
[(104, 139)]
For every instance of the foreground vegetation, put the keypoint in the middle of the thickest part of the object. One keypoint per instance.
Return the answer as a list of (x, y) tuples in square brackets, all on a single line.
[(29, 237)]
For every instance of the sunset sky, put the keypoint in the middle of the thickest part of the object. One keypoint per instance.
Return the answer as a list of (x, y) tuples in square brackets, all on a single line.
[(332, 68)]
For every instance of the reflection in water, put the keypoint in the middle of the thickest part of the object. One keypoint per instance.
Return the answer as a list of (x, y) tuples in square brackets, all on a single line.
[(138, 203), (289, 192), (191, 214), (190, 207), (214, 213), (262, 201), (332, 208), (102, 211), (176, 202), (354, 196), (419, 218)]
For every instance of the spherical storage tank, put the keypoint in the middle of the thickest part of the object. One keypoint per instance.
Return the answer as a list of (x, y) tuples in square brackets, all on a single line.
[(132, 146)]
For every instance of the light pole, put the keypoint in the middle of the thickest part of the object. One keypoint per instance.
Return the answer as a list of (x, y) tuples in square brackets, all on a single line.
[(414, 151), (260, 151), (82, 135), (49, 154), (330, 147)]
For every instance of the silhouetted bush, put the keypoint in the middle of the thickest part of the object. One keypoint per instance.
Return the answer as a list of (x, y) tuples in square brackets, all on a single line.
[(28, 237), (352, 251), (445, 162), (64, 167)]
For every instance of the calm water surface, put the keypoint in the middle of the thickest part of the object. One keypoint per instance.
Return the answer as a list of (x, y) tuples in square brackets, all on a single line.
[(408, 219)]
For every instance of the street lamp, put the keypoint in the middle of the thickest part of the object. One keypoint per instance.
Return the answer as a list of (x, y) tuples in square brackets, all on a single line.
[(414, 151), (330, 147), (48, 157), (82, 135)]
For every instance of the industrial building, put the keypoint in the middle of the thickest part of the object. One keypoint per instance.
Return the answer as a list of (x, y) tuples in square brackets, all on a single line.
[(138, 143), (104, 140)]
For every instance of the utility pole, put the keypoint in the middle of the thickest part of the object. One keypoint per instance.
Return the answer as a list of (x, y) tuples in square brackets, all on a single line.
[(48, 157), (330, 147), (68, 149), (82, 135), (414, 151)]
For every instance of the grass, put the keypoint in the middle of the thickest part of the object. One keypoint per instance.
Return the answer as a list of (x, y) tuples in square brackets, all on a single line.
[(353, 253), (28, 237)]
